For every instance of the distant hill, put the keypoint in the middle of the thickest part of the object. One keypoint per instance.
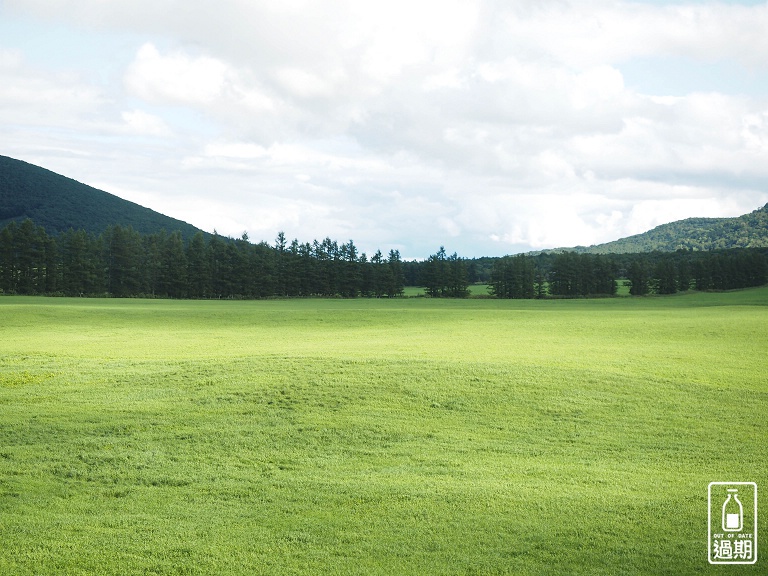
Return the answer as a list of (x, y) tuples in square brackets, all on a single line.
[(747, 231), (58, 203)]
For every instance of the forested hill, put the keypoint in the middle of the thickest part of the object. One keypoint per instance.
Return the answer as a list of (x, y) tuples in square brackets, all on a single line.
[(747, 231), (58, 203)]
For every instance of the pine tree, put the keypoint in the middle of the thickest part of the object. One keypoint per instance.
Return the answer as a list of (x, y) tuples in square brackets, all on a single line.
[(174, 266), (349, 272), (435, 274), (366, 276), (639, 278), (152, 261), (8, 268), (665, 277), (199, 267), (74, 256), (220, 267), (50, 261), (513, 277), (458, 278), (124, 256), (28, 249), (395, 277), (281, 264), (378, 280), (564, 275)]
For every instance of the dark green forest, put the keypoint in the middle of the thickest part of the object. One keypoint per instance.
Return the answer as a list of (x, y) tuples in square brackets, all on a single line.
[(58, 203), (121, 262), (572, 274), (59, 236)]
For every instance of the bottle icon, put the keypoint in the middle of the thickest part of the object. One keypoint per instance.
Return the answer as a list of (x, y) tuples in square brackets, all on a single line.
[(733, 512)]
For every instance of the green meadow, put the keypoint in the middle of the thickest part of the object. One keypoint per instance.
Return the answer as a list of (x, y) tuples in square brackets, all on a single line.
[(404, 436)]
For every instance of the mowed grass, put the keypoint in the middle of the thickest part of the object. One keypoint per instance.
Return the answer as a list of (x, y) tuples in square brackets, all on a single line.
[(405, 436)]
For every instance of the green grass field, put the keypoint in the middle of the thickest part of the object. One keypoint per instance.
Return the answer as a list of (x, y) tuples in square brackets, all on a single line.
[(404, 436)]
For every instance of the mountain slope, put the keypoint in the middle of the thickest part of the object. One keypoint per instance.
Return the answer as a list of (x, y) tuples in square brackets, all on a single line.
[(58, 203), (747, 231)]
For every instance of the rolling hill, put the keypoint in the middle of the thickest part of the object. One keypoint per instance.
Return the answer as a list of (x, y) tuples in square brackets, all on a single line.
[(58, 203), (746, 231)]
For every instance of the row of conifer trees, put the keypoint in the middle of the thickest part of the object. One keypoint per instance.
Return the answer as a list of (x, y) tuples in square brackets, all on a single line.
[(572, 274), (121, 262)]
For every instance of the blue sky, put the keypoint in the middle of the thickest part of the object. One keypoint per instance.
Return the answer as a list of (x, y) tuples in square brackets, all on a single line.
[(486, 126)]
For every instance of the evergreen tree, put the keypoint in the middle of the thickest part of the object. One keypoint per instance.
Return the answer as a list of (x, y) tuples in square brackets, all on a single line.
[(395, 278), (293, 270), (28, 249), (199, 267), (124, 263), (366, 276), (8, 269), (564, 275), (52, 274), (604, 276), (379, 282), (665, 277), (513, 277), (435, 274), (77, 263), (281, 265), (220, 267), (445, 276), (757, 268), (152, 261), (349, 272), (174, 266), (539, 283), (458, 278), (263, 268), (124, 254), (307, 271), (702, 274), (684, 271), (639, 278)]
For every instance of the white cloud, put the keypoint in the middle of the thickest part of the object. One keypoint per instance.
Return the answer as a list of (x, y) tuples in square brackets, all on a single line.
[(483, 125), (243, 150), (305, 84), (140, 122), (10, 60), (176, 78), (182, 79), (595, 32), (35, 98)]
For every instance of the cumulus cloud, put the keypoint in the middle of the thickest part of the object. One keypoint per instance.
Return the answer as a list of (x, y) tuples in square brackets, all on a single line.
[(140, 122), (28, 95), (487, 126), (177, 78)]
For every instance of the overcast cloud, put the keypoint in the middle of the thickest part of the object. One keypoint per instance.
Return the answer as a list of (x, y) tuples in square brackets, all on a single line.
[(489, 127)]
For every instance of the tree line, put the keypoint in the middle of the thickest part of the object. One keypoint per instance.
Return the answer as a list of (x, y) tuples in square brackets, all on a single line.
[(572, 274), (567, 274), (121, 262), (668, 273)]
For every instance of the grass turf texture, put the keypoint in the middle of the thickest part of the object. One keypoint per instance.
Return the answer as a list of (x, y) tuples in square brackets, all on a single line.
[(407, 436)]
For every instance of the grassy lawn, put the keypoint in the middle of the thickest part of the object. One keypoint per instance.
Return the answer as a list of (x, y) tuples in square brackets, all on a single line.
[(403, 436)]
